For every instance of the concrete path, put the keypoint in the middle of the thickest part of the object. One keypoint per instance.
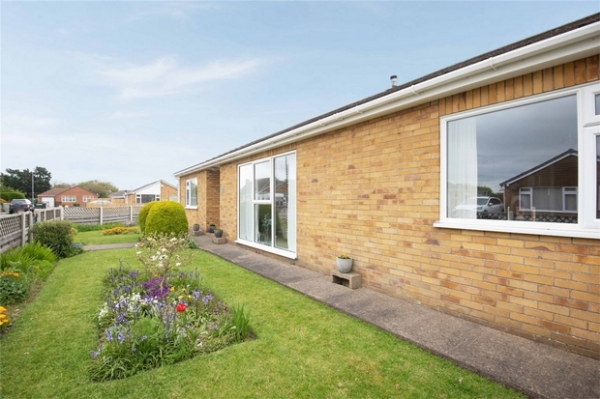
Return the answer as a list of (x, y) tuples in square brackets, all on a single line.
[(539, 371)]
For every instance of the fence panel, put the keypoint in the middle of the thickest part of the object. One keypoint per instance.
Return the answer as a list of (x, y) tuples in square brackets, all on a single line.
[(14, 230), (102, 215)]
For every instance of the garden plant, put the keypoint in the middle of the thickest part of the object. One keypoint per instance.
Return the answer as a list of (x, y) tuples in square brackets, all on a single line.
[(160, 315)]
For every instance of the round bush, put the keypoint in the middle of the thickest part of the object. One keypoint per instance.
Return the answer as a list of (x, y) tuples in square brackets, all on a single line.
[(167, 217), (11, 195), (56, 235), (144, 215)]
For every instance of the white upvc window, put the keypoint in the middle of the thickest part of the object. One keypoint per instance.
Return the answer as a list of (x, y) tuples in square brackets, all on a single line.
[(68, 198), (191, 193), (145, 198), (539, 155), (267, 204)]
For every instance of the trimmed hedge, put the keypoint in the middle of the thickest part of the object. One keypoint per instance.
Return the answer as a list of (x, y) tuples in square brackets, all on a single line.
[(144, 215), (167, 217)]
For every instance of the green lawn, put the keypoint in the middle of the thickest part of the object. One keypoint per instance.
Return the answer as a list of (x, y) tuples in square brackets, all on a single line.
[(97, 238), (302, 349)]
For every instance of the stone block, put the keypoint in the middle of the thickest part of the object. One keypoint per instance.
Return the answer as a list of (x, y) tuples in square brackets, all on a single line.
[(350, 280), (221, 240)]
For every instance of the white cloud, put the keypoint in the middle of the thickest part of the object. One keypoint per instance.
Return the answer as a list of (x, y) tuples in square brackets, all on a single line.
[(164, 76)]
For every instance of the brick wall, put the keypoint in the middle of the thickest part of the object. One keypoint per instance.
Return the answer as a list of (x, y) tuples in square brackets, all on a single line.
[(372, 190), (166, 192), (208, 198), (78, 192)]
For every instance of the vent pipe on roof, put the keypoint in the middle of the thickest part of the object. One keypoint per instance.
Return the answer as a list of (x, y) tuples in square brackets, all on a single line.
[(393, 78)]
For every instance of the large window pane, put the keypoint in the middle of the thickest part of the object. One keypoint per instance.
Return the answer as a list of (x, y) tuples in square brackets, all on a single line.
[(597, 173), (245, 206), (262, 181), (518, 163), (263, 224), (284, 211)]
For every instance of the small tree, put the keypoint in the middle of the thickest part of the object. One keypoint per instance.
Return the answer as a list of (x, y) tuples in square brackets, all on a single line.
[(167, 217), (57, 235)]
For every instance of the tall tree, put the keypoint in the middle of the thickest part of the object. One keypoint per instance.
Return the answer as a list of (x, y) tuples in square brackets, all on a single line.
[(22, 180), (103, 189)]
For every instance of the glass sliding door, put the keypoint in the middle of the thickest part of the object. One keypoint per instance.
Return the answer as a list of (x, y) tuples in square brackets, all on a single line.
[(267, 204)]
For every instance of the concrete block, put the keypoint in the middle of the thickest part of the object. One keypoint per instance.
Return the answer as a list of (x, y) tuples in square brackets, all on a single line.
[(221, 240), (350, 280)]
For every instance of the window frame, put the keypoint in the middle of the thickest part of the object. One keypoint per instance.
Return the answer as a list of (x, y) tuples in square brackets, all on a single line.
[(288, 253), (588, 127), (68, 198), (188, 193)]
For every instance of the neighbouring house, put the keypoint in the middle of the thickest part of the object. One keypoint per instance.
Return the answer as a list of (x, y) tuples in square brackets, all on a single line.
[(155, 191), (547, 192), (66, 196), (379, 179)]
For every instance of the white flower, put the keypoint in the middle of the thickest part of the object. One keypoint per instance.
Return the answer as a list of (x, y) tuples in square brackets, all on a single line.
[(178, 264), (138, 252)]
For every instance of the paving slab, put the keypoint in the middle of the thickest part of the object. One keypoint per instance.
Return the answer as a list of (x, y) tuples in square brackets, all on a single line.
[(538, 370)]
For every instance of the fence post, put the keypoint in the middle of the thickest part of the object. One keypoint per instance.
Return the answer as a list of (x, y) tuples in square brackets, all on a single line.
[(62, 213), (29, 232), (23, 232), (130, 214), (101, 215)]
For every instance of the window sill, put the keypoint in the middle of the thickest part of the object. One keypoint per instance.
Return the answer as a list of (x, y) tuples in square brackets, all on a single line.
[(191, 207), (276, 251), (533, 228)]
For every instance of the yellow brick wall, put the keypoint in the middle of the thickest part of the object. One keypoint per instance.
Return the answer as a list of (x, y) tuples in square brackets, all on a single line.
[(208, 199), (372, 190), (167, 191)]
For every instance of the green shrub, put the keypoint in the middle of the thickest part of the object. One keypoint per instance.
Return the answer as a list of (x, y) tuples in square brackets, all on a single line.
[(14, 256), (37, 251), (97, 227), (167, 217), (144, 215), (57, 235), (10, 195), (13, 286)]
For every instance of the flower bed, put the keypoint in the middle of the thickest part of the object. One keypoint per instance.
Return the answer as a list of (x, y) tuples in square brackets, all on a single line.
[(160, 316)]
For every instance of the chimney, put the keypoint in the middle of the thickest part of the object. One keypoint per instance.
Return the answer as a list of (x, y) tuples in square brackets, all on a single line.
[(393, 78)]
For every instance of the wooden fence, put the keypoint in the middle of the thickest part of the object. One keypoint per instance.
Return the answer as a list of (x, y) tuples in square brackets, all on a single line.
[(103, 215), (15, 229)]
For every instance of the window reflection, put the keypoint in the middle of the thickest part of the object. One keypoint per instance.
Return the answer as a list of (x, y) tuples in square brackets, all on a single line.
[(518, 163)]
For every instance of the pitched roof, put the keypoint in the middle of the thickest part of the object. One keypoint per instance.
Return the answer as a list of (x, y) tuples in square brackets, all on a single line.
[(154, 182), (53, 192), (559, 157), (489, 56)]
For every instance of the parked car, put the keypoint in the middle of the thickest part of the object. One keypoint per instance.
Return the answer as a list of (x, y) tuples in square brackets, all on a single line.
[(479, 207), (20, 205)]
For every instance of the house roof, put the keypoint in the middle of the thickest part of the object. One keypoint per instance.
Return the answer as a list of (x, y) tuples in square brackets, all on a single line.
[(546, 49), (53, 192), (118, 194), (154, 182), (543, 165)]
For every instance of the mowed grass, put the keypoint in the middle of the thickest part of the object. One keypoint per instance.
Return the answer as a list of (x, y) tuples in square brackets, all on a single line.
[(97, 238), (302, 348)]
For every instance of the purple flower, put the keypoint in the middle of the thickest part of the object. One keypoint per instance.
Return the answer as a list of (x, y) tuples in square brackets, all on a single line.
[(156, 288), (108, 334)]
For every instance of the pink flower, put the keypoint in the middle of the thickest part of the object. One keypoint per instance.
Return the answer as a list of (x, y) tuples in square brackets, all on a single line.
[(180, 307)]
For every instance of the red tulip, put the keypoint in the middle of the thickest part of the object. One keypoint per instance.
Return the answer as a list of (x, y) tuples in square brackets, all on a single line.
[(180, 307)]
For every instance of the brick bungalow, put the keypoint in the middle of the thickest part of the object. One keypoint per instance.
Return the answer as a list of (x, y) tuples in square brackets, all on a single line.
[(67, 196), (158, 190), (381, 180)]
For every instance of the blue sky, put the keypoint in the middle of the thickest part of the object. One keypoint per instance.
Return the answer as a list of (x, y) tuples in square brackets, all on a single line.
[(131, 92)]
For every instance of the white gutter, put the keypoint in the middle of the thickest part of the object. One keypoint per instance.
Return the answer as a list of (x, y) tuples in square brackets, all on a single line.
[(569, 46)]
